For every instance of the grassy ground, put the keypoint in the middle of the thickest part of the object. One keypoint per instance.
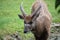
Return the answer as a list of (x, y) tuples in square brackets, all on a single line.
[(9, 20)]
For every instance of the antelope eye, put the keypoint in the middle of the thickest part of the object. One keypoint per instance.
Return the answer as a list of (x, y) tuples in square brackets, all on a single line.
[(30, 23), (24, 22)]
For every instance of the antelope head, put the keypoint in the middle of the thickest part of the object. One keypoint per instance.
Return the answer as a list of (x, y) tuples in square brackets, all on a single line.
[(28, 19)]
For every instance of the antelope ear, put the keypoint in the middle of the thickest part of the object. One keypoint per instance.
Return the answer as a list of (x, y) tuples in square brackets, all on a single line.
[(20, 16)]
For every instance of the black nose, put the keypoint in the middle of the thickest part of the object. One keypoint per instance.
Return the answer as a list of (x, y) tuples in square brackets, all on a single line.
[(25, 31)]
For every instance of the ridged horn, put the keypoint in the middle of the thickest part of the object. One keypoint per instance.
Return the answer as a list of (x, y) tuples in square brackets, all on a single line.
[(22, 10), (34, 13)]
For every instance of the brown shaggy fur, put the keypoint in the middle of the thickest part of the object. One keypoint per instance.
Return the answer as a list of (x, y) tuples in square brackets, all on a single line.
[(39, 21), (42, 28)]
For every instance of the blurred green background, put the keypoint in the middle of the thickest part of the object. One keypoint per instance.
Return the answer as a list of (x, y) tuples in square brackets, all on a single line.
[(9, 10)]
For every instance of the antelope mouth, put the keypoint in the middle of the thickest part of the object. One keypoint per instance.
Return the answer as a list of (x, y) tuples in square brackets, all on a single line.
[(25, 31)]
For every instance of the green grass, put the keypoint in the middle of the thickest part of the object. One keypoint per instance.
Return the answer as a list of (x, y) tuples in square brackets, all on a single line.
[(9, 20)]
